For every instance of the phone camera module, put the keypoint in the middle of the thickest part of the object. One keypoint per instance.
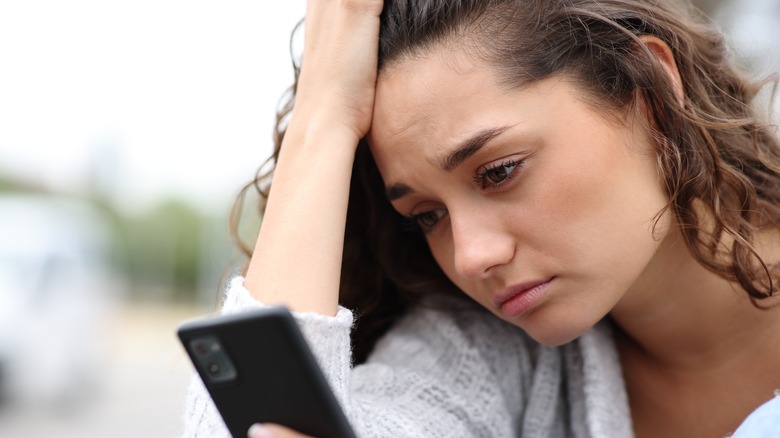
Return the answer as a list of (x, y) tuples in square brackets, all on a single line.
[(212, 358)]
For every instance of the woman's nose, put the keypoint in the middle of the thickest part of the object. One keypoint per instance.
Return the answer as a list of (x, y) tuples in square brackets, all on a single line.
[(480, 243)]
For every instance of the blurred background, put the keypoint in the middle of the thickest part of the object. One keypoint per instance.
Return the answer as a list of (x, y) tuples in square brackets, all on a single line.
[(126, 130)]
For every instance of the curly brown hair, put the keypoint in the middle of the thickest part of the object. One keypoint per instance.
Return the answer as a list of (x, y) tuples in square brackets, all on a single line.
[(719, 162)]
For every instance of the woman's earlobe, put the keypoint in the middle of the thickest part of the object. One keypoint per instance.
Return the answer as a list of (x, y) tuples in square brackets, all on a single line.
[(663, 53)]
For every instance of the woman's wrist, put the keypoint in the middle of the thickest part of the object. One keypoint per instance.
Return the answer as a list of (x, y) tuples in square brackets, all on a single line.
[(323, 127), (311, 180)]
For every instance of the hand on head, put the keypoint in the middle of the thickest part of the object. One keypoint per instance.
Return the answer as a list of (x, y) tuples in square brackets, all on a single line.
[(339, 69)]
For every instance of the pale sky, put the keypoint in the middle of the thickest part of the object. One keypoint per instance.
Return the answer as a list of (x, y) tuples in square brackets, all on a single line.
[(168, 96)]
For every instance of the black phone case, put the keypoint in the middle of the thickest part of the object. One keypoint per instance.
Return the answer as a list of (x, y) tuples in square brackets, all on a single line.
[(277, 379)]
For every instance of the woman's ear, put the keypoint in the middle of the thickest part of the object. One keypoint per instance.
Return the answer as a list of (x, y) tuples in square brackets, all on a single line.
[(665, 57)]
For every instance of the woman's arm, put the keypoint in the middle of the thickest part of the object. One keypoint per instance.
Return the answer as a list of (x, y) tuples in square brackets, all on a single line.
[(297, 257)]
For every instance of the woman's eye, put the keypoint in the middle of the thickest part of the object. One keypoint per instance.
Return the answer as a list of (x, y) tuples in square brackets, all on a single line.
[(427, 220), (500, 173), (494, 175)]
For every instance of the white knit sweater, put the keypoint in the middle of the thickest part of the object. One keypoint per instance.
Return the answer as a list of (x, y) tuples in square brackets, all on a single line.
[(450, 374)]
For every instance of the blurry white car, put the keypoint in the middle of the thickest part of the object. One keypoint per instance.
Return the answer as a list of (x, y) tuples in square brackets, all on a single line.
[(55, 289)]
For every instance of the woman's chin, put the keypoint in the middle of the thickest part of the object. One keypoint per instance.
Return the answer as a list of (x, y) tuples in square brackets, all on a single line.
[(552, 338), (556, 330)]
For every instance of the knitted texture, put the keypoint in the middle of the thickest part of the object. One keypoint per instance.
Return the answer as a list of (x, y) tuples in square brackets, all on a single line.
[(453, 373)]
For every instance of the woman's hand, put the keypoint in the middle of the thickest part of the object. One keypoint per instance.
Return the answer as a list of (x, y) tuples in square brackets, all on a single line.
[(339, 69), (272, 431)]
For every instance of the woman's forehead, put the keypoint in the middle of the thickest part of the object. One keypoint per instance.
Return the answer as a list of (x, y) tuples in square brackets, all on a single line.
[(434, 101), (428, 95)]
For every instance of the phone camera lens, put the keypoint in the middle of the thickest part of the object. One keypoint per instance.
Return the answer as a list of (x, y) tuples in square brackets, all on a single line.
[(200, 349), (212, 368)]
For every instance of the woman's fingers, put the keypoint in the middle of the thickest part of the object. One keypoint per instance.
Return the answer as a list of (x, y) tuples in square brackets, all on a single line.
[(272, 431), (338, 73)]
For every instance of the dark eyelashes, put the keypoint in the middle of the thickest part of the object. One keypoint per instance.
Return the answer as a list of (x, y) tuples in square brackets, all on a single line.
[(487, 172), (490, 177), (423, 222)]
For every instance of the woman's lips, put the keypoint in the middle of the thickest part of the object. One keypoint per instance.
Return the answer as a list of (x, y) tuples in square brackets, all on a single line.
[(519, 298)]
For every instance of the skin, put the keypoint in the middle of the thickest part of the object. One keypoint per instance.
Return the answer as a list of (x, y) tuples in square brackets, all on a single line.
[(577, 207), (578, 211), (333, 106)]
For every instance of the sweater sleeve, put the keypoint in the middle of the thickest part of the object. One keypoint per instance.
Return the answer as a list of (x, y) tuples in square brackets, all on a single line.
[(437, 373)]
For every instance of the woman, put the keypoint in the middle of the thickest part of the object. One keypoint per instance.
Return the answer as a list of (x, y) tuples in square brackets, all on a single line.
[(590, 172)]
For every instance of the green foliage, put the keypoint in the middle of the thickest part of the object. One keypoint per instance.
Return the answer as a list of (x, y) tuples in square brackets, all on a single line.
[(173, 252), (165, 249), (11, 185)]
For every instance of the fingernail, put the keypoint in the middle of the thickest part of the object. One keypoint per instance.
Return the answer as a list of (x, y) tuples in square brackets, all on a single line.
[(259, 431)]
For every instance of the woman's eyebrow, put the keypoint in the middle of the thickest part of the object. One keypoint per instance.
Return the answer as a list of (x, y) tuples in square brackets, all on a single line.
[(397, 191), (469, 147), (452, 160)]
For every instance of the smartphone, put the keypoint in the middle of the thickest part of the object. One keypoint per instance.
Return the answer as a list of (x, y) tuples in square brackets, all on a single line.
[(258, 368)]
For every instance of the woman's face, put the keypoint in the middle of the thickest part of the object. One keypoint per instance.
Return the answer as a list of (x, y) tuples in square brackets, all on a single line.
[(535, 205)]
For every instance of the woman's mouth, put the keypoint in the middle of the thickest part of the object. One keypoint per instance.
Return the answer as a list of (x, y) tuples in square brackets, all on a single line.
[(517, 299)]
